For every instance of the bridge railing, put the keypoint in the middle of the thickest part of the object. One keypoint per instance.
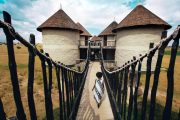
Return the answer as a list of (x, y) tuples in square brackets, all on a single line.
[(118, 81), (70, 81)]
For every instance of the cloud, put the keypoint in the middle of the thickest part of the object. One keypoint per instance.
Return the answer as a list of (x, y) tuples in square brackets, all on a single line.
[(167, 10), (94, 15)]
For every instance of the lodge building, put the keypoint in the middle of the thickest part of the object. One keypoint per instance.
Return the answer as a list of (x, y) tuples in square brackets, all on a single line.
[(67, 41)]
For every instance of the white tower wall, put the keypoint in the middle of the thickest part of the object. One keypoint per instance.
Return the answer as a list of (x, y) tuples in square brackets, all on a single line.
[(62, 45), (132, 42)]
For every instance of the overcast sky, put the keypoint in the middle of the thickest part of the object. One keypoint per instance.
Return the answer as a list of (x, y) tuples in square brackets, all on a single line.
[(94, 15)]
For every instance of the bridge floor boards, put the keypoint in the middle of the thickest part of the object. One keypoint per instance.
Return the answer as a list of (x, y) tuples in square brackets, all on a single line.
[(88, 109)]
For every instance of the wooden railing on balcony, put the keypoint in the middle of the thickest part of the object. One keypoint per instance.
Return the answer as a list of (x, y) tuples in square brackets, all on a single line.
[(111, 43), (108, 44)]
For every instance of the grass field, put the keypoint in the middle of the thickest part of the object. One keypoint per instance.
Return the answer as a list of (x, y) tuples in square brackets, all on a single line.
[(5, 84), (168, 52), (162, 85), (22, 63)]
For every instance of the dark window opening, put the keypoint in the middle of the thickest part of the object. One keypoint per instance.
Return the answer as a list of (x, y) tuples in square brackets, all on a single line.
[(151, 45), (105, 40)]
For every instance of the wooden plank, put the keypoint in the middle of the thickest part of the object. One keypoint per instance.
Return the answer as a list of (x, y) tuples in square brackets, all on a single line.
[(31, 103), (13, 69)]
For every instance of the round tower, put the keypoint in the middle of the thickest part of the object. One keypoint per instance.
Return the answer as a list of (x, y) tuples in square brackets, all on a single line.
[(60, 37), (136, 33)]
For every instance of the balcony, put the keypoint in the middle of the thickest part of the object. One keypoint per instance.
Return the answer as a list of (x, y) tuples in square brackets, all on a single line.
[(111, 43), (83, 44), (107, 45)]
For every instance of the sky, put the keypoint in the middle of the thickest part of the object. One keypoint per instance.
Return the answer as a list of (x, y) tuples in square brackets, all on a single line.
[(94, 15)]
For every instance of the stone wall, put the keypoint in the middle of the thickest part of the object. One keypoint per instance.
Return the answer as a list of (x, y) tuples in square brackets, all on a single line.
[(62, 45), (132, 42)]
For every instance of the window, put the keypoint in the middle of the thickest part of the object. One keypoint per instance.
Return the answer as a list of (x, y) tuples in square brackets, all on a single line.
[(105, 40)]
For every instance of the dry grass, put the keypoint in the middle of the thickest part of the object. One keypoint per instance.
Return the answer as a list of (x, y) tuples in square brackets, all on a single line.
[(21, 55), (162, 85)]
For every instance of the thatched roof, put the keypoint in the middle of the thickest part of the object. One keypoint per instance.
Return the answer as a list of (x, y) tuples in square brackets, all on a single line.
[(108, 29), (60, 20), (140, 16), (85, 32), (95, 38)]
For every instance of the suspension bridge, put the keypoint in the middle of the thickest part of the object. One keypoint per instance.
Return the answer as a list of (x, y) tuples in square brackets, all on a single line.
[(75, 87)]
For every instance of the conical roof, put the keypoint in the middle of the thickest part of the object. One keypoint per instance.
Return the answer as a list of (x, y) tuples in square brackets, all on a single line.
[(140, 16), (95, 38), (85, 32), (60, 20), (108, 29)]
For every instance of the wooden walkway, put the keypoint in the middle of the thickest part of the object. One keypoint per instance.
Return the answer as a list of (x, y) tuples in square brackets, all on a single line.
[(88, 109)]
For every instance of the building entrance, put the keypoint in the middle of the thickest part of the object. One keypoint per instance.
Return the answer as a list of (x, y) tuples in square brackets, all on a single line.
[(95, 54)]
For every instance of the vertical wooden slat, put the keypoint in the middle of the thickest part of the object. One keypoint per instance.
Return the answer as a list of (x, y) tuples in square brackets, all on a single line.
[(2, 113), (13, 70), (31, 103), (70, 89), (123, 87), (117, 79), (125, 92), (146, 89), (67, 92), (44, 74), (60, 93), (75, 84), (120, 91), (156, 77), (63, 93), (50, 86), (136, 90), (170, 76), (155, 83), (113, 78), (130, 107)]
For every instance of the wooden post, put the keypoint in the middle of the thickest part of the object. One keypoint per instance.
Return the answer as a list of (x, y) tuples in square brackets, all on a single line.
[(130, 107), (44, 74), (60, 93), (156, 78), (170, 75), (50, 85), (146, 89), (13, 70), (31, 104), (2, 113)]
